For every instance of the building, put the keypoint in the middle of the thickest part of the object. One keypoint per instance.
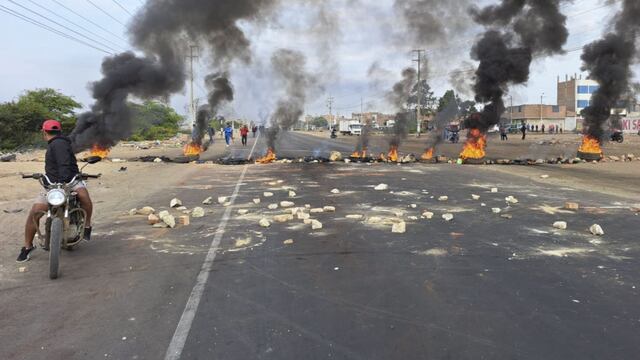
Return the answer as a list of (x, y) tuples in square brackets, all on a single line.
[(575, 93), (538, 115), (374, 119)]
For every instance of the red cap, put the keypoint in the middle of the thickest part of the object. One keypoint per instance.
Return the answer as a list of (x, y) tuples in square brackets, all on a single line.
[(51, 125)]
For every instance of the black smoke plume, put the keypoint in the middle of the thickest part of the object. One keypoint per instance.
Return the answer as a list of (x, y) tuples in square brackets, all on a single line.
[(440, 122), (159, 30), (609, 62), (529, 28), (289, 67), (398, 97), (220, 90)]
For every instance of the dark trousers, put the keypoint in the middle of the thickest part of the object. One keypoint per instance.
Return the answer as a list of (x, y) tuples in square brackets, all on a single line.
[(524, 135), (244, 140)]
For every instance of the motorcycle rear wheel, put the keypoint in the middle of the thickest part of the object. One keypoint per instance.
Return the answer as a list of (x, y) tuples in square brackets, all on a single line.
[(55, 240)]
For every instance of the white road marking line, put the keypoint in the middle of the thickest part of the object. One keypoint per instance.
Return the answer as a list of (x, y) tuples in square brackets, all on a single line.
[(179, 338), (254, 146)]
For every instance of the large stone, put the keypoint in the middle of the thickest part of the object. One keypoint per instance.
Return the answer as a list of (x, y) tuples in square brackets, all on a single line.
[(147, 210), (381, 187), (170, 221), (243, 212), (288, 242), (163, 213), (303, 216), (283, 218), (175, 202), (496, 210), (316, 210), (428, 215), (287, 204), (562, 225), (316, 225), (198, 212), (399, 227), (335, 191), (596, 230), (292, 194), (511, 200), (475, 197), (8, 158), (408, 159), (443, 198), (267, 194), (222, 200), (153, 219), (133, 212), (256, 201), (447, 217), (272, 206), (335, 156), (355, 216), (494, 190), (571, 206), (208, 201), (329, 209), (264, 223)]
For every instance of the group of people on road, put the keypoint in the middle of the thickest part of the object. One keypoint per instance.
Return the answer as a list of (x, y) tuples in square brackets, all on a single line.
[(227, 132), (524, 128)]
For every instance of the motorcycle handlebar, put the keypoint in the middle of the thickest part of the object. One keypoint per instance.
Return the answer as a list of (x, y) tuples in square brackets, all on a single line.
[(88, 176), (31, 176)]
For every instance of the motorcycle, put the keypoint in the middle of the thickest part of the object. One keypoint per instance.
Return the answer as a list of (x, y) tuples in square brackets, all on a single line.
[(65, 219), (454, 137), (617, 136), (334, 133)]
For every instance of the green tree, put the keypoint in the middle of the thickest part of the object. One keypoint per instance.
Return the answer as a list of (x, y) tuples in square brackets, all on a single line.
[(467, 108), (154, 121), (20, 121), (320, 122), (427, 99), (448, 98)]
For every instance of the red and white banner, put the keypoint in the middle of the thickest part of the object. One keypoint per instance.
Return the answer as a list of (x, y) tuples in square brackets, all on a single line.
[(630, 125)]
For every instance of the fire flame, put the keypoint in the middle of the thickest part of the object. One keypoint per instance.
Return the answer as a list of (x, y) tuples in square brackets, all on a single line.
[(268, 158), (393, 154), (192, 149), (590, 145), (475, 145), (382, 157), (428, 154), (359, 155), (101, 151)]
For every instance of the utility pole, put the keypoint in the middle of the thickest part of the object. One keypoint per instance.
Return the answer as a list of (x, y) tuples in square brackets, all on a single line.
[(418, 112), (330, 106), (193, 54), (362, 112), (511, 111)]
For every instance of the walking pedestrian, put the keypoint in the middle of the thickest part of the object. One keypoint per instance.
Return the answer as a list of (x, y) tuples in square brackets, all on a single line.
[(503, 133), (524, 131), (212, 133), (228, 134), (542, 128), (244, 132), (254, 130), (536, 128)]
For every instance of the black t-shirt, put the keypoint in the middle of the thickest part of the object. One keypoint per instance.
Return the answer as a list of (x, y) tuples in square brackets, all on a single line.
[(60, 161)]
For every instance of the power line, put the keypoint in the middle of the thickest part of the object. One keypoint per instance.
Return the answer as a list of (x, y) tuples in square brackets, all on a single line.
[(75, 24), (63, 26), (122, 7), (88, 20), (46, 27), (106, 13)]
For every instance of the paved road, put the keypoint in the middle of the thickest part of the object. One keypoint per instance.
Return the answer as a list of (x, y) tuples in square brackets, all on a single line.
[(479, 287)]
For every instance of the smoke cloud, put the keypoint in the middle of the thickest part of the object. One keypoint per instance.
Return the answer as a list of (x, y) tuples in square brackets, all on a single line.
[(441, 120), (289, 67), (609, 62), (398, 97), (220, 90), (160, 29), (530, 28)]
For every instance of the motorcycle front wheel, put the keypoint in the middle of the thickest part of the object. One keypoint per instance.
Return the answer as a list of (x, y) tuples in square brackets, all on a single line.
[(55, 239)]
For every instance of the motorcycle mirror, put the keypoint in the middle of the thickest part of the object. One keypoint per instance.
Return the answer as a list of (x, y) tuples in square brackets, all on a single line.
[(93, 159)]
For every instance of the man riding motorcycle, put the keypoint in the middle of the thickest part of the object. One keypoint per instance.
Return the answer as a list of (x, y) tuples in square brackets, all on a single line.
[(60, 166)]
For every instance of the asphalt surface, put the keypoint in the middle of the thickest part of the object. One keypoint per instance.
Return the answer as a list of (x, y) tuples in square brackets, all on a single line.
[(481, 286)]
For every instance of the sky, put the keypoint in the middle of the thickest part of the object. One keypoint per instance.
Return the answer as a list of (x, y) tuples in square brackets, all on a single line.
[(355, 37)]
